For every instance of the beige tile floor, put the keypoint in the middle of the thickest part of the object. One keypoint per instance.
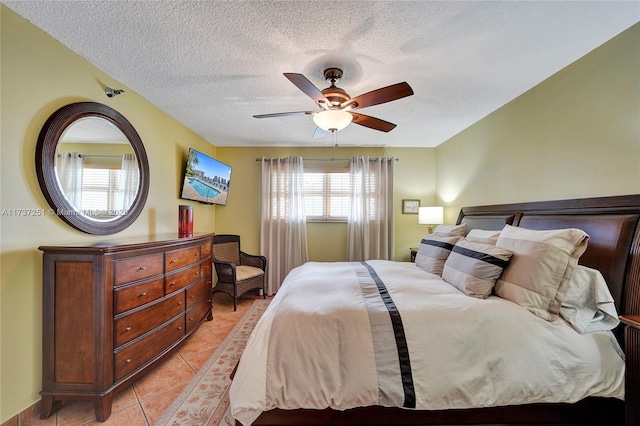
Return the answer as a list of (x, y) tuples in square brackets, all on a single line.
[(142, 403)]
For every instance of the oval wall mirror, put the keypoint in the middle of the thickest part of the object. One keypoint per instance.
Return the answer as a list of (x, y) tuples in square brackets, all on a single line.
[(92, 168)]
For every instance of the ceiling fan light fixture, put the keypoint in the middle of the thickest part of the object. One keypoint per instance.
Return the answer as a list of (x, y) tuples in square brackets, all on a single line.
[(332, 119)]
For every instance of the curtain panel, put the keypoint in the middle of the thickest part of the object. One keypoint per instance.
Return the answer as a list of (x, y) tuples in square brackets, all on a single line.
[(283, 229), (128, 184), (69, 168), (370, 231)]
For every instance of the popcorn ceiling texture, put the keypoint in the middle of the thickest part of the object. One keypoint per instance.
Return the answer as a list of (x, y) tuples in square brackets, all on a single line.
[(214, 64)]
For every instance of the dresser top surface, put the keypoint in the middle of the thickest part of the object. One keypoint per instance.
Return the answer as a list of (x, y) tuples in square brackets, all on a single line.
[(129, 243)]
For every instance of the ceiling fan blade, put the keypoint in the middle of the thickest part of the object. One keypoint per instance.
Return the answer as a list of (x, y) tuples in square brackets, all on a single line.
[(372, 122), (308, 88), (318, 133), (283, 114), (379, 96)]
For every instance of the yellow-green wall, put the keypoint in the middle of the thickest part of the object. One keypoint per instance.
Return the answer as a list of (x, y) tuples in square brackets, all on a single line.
[(577, 134), (414, 179), (38, 76)]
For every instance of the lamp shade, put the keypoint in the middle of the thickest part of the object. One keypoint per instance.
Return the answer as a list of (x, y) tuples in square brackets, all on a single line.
[(332, 119), (430, 215)]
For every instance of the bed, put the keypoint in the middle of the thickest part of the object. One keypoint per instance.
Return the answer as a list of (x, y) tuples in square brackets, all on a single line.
[(382, 342)]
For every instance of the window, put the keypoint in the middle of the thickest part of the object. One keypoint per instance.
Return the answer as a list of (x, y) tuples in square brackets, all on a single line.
[(326, 195), (99, 189)]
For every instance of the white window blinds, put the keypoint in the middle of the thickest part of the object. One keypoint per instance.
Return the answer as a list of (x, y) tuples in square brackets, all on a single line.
[(326, 195)]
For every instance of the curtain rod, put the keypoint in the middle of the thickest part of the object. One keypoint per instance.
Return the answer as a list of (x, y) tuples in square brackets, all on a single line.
[(94, 155), (101, 156), (328, 159)]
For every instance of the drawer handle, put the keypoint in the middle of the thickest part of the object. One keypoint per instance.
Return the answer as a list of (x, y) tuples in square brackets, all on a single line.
[(172, 261), (196, 273), (142, 268), (179, 303), (172, 283), (180, 328), (144, 293), (196, 254), (128, 328), (191, 296), (191, 319), (128, 359)]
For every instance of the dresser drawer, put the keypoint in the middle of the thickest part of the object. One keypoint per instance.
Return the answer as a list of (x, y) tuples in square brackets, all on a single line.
[(180, 258), (179, 280), (206, 250), (138, 268), (195, 315), (136, 355), (137, 323), (137, 295), (196, 292), (205, 268)]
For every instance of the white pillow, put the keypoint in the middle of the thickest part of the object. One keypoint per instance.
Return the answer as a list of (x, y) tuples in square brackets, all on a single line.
[(541, 266), (451, 231), (482, 236), (588, 305), (433, 252), (473, 268)]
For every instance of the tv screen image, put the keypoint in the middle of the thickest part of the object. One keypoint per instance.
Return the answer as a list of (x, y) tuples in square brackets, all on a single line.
[(205, 179)]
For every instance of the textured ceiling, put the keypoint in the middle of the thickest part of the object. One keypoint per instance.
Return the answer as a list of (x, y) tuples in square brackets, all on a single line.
[(212, 65)]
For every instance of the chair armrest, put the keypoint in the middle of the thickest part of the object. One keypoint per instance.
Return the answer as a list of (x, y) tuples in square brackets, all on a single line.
[(226, 271), (253, 260)]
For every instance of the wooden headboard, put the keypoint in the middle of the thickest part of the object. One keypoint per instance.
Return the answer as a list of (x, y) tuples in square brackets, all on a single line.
[(613, 225)]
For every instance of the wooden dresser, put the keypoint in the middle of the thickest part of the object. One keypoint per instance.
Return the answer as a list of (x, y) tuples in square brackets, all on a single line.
[(113, 310)]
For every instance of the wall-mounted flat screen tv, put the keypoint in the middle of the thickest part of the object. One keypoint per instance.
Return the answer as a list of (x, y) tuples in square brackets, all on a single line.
[(205, 179)]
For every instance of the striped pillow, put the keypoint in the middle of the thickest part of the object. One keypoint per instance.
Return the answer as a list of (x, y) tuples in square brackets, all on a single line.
[(541, 267), (451, 230), (474, 268), (482, 236), (433, 252)]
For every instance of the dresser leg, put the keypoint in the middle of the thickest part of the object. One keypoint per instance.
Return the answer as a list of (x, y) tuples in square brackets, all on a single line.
[(48, 406), (102, 407)]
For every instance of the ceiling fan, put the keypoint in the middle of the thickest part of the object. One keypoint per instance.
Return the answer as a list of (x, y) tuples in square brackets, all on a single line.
[(336, 106)]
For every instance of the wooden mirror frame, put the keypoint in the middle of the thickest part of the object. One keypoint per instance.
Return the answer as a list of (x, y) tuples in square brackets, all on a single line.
[(48, 140)]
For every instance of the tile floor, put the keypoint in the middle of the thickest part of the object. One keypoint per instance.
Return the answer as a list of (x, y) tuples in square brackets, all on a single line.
[(142, 403)]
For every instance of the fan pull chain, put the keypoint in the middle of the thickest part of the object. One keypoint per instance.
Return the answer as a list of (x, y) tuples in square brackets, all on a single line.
[(334, 138)]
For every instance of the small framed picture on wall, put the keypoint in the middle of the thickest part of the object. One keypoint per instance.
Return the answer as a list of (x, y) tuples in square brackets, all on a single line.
[(410, 206)]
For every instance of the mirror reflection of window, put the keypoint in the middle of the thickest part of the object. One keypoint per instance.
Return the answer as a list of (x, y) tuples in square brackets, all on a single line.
[(97, 168), (109, 187)]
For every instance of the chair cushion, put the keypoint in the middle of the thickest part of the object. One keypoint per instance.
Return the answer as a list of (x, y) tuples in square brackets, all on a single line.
[(244, 272), (227, 252)]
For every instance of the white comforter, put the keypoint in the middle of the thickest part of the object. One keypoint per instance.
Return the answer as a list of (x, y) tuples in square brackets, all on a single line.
[(328, 340)]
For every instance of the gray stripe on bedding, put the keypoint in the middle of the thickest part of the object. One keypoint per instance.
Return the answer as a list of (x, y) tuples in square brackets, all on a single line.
[(390, 390)]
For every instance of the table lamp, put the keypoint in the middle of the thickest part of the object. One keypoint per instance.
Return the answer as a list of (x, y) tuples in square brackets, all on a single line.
[(430, 216)]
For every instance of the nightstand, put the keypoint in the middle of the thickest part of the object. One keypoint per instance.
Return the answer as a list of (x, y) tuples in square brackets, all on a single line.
[(632, 363), (413, 251)]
